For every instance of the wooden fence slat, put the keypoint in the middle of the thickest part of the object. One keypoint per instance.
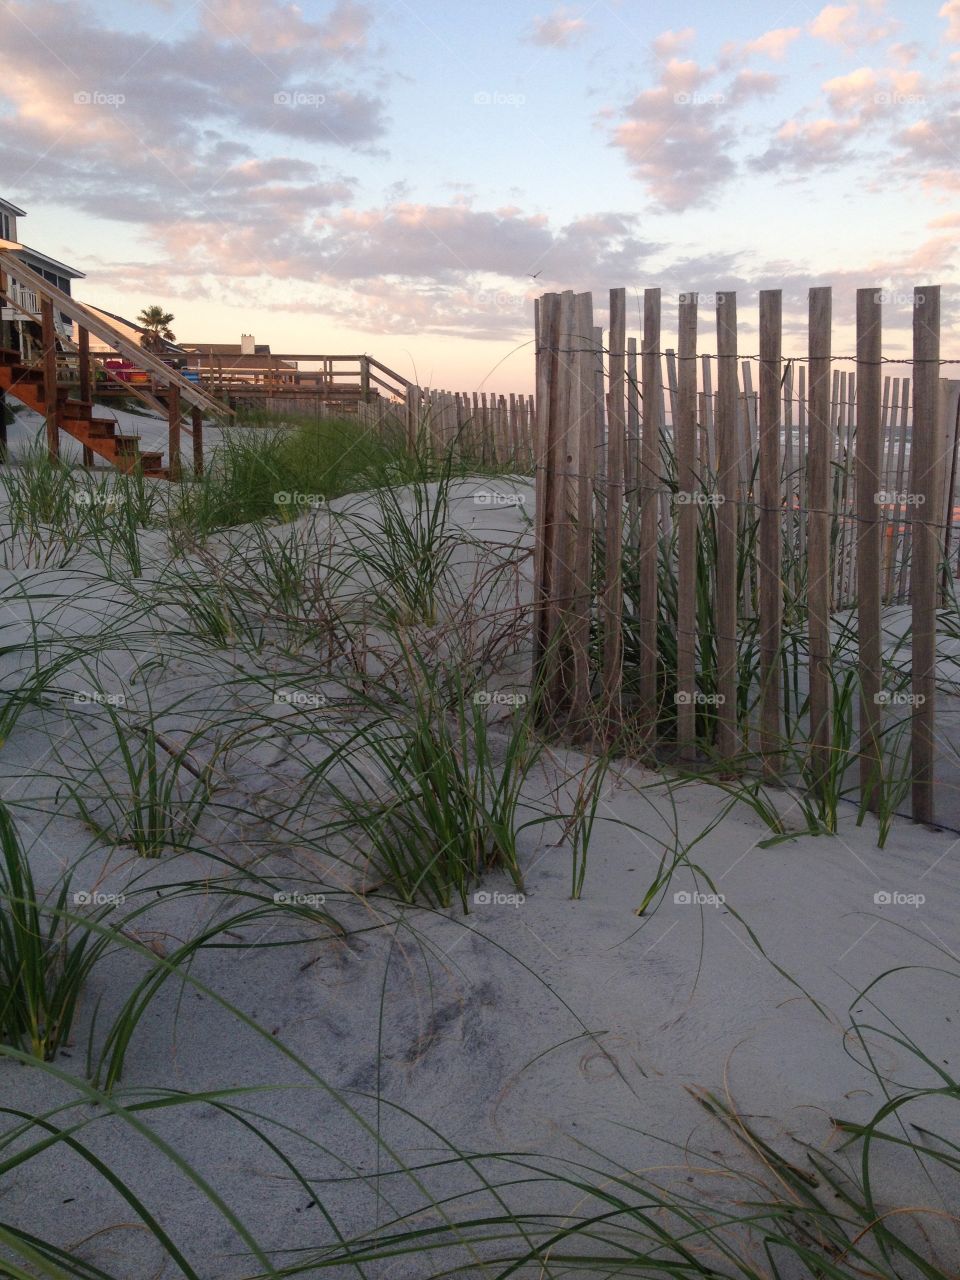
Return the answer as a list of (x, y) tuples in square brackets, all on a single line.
[(649, 605), (869, 512), (585, 356), (926, 486), (612, 597), (685, 444), (709, 437), (633, 439), (725, 587), (903, 541), (819, 455), (770, 590)]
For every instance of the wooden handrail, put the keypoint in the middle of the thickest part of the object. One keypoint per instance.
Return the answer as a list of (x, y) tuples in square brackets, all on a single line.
[(139, 356)]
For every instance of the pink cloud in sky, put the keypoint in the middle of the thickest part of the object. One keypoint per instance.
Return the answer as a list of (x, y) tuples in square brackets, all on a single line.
[(557, 29), (853, 25), (951, 11), (670, 43)]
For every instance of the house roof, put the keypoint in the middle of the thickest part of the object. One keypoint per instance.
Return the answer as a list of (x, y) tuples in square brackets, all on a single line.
[(28, 255), (225, 348), (12, 208)]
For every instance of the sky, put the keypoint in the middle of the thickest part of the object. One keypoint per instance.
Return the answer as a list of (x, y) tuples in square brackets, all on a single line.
[(403, 179)]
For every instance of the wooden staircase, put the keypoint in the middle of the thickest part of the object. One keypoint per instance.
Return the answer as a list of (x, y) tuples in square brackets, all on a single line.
[(76, 417)]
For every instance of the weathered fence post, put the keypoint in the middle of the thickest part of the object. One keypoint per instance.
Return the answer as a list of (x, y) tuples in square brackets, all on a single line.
[(649, 487), (870, 513), (612, 604), (725, 587), (685, 443), (926, 465), (770, 586), (819, 458)]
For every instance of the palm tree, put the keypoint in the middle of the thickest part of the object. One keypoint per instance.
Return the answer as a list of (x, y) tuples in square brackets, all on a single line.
[(157, 323)]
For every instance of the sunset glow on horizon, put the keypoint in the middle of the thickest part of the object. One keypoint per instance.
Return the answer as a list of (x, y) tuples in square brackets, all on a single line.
[(406, 179)]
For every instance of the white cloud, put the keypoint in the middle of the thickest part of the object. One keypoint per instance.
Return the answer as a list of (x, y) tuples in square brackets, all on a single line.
[(557, 29)]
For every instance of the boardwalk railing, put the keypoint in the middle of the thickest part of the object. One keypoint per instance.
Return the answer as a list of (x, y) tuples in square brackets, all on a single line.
[(714, 548)]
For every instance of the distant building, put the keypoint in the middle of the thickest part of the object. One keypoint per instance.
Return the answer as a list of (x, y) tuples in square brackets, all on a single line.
[(20, 323), (245, 361)]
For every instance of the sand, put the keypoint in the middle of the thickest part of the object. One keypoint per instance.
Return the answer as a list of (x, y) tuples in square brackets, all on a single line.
[(545, 1025)]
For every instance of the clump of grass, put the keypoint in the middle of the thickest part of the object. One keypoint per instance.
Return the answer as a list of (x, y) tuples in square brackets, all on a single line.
[(430, 788), (162, 792), (404, 545), (46, 953), (275, 471)]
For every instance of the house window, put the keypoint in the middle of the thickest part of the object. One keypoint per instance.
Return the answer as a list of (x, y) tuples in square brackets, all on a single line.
[(4, 226)]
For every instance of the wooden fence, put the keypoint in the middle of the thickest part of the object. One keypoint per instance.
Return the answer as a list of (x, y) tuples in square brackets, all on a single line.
[(695, 522), (485, 427)]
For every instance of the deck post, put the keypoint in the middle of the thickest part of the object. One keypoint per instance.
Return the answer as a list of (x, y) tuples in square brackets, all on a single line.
[(173, 449), (196, 419), (48, 330), (83, 356)]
